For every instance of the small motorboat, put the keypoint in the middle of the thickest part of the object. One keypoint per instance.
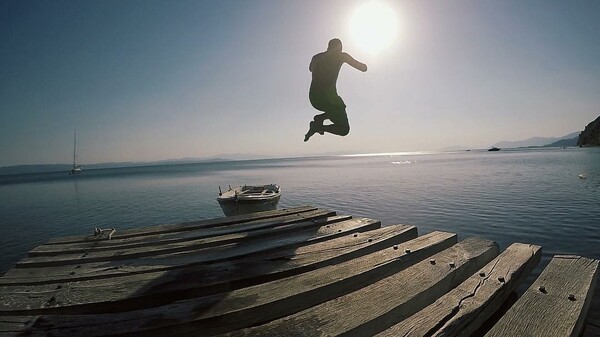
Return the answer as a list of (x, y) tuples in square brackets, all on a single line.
[(249, 199), (494, 149)]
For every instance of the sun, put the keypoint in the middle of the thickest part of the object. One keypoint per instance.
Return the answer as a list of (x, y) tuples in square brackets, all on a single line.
[(373, 26)]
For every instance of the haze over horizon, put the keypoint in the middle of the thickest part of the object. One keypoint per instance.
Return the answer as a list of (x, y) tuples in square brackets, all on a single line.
[(154, 80)]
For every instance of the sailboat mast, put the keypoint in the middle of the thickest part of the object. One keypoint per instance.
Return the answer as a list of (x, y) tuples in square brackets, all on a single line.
[(74, 147)]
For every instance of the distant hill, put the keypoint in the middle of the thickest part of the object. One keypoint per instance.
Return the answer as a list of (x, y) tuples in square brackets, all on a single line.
[(564, 142), (534, 141), (453, 148), (25, 169), (42, 168), (591, 135)]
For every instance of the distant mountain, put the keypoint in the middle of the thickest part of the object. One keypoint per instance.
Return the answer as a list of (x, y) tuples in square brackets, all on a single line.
[(591, 135), (25, 169), (453, 148), (564, 142), (534, 141), (41, 168)]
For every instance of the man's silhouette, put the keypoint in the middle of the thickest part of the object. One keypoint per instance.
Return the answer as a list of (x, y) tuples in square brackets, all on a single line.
[(325, 68)]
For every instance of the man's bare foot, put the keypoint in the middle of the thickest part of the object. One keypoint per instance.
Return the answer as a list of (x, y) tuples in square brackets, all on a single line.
[(311, 131)]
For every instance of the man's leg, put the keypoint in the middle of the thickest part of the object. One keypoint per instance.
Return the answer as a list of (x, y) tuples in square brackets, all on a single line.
[(319, 119), (337, 129), (340, 125)]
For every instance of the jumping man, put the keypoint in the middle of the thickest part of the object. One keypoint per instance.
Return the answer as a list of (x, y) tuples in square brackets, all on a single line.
[(325, 68)]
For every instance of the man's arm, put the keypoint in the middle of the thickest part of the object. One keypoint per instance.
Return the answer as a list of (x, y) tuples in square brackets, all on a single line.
[(354, 63)]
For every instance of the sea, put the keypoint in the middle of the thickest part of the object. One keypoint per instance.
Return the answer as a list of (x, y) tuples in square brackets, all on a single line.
[(548, 197)]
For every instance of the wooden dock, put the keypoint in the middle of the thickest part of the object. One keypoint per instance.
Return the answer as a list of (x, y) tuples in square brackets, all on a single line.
[(296, 272)]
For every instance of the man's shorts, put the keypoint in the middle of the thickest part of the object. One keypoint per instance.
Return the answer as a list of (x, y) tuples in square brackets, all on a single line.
[(327, 102)]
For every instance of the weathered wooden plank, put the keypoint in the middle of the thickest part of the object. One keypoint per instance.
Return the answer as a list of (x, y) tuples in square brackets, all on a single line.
[(382, 304), (186, 226), (10, 326), (153, 289), (591, 330), (247, 229), (593, 316), (205, 241), (245, 307), (556, 309), (465, 308), (99, 270)]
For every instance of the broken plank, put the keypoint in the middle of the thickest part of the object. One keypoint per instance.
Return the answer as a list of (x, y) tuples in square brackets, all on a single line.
[(158, 251), (465, 308), (207, 241), (253, 305), (187, 226), (242, 230), (159, 288), (555, 304), (99, 270), (382, 304)]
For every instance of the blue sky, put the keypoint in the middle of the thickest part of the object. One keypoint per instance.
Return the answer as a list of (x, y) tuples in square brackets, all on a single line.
[(149, 80)]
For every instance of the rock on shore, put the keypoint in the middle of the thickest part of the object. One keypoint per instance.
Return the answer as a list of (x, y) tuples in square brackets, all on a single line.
[(591, 135)]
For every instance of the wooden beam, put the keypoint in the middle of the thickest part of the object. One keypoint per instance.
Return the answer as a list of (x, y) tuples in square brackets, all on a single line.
[(249, 306), (207, 240), (159, 288), (102, 270), (465, 308), (555, 304), (241, 229), (186, 226)]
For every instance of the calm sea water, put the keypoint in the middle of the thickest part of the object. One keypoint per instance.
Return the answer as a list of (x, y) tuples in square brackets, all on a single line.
[(531, 196)]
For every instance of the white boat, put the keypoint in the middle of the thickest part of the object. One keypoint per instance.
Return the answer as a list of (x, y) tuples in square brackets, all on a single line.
[(76, 168), (249, 199)]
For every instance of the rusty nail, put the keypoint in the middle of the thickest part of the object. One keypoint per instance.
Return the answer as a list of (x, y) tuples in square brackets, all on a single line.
[(452, 265), (501, 279), (370, 240), (407, 250), (432, 261), (339, 230), (395, 247), (572, 297), (482, 273), (542, 289), (355, 235)]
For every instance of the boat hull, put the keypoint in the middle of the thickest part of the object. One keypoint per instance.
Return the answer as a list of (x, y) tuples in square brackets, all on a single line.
[(249, 199), (231, 207)]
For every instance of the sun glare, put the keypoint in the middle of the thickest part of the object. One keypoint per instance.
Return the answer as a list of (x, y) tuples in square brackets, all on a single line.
[(373, 26)]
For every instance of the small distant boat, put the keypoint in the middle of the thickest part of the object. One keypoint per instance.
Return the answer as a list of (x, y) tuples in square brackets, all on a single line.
[(249, 199), (76, 168), (494, 149)]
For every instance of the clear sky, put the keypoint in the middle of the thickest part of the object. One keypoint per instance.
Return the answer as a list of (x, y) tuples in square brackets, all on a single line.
[(150, 80)]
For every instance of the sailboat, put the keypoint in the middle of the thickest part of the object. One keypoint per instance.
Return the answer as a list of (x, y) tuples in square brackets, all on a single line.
[(76, 168)]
